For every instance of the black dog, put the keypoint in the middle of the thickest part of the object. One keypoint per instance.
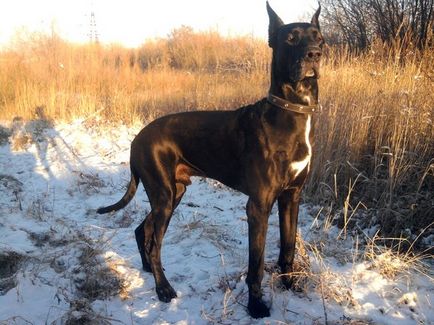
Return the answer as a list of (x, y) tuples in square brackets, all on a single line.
[(262, 150)]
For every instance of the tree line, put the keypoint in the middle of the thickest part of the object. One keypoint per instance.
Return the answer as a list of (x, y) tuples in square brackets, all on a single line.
[(357, 23)]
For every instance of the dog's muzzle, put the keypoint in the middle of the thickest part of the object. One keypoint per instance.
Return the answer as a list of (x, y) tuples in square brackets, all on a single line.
[(313, 54), (311, 62)]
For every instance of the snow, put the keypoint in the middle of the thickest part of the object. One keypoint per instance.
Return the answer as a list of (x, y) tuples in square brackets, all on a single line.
[(61, 261)]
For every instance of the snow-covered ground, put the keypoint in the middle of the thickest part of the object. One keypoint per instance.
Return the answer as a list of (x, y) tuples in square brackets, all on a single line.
[(61, 263)]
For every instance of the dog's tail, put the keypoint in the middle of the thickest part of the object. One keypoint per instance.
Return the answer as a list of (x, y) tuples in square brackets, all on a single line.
[(129, 194)]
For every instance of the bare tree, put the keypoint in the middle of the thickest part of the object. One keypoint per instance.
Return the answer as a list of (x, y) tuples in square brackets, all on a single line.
[(357, 23)]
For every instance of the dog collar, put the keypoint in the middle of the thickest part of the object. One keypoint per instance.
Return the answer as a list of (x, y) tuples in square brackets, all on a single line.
[(287, 105)]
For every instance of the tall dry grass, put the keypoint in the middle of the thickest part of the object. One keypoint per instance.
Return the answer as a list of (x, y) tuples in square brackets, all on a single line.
[(374, 136), (187, 71)]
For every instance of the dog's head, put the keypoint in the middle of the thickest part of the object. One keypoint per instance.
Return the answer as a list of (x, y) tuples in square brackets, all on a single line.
[(297, 48)]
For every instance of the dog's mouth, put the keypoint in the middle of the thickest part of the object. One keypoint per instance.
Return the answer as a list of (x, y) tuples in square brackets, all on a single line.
[(312, 73), (305, 72)]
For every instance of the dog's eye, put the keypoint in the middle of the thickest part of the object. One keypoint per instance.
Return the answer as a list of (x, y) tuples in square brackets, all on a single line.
[(291, 38)]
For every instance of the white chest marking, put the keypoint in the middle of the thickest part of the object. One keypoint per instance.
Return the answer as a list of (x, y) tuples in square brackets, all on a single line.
[(299, 166)]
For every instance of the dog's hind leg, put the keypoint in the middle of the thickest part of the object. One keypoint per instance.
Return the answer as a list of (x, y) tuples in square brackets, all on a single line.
[(146, 231), (140, 239), (162, 210)]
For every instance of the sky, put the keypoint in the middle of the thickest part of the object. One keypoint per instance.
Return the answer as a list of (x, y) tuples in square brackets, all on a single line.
[(132, 22)]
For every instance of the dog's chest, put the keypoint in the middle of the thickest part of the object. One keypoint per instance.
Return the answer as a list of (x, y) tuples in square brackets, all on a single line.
[(292, 156), (302, 160)]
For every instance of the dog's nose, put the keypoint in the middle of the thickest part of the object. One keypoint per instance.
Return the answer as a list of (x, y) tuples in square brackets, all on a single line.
[(313, 54)]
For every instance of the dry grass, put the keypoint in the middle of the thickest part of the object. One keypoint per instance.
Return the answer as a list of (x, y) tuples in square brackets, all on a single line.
[(316, 275), (71, 81), (88, 183), (375, 126), (312, 273), (386, 256), (95, 278)]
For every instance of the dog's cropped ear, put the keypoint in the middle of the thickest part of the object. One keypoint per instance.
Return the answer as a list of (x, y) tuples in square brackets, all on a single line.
[(275, 23), (315, 17)]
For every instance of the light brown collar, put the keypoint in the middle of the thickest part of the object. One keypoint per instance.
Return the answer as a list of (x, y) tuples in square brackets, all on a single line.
[(287, 105)]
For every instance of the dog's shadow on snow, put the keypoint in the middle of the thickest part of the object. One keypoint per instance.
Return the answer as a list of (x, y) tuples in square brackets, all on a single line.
[(41, 132)]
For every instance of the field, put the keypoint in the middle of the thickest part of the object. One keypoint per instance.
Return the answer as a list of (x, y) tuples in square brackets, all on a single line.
[(69, 113)]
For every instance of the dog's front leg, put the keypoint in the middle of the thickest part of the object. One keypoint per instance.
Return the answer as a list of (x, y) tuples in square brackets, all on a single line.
[(257, 214), (288, 203)]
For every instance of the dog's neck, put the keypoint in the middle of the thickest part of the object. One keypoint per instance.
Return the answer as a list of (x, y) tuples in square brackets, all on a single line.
[(304, 92)]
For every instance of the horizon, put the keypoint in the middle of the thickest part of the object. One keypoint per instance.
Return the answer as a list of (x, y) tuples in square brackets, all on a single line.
[(135, 22)]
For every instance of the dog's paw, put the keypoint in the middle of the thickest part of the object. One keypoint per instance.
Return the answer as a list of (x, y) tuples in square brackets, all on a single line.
[(289, 283), (257, 308), (166, 293)]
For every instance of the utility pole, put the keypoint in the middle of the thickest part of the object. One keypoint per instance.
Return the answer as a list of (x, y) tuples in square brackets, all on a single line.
[(93, 32)]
